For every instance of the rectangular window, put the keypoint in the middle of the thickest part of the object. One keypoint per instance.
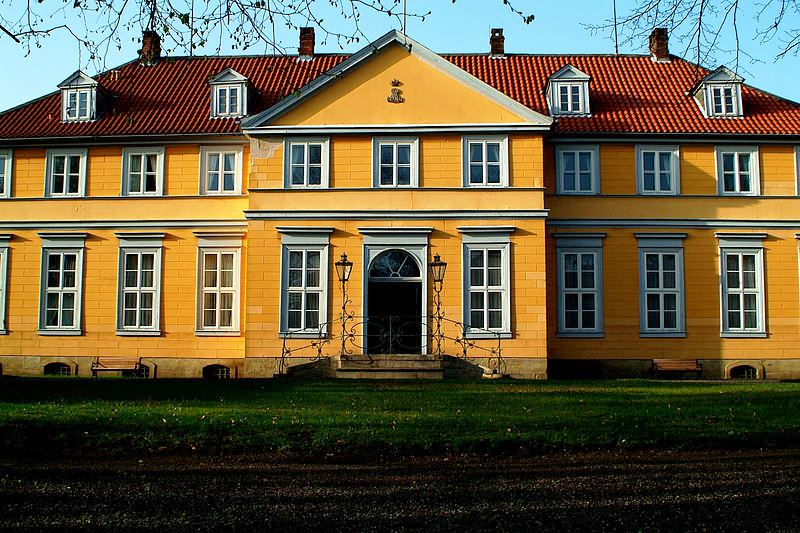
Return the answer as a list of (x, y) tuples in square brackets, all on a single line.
[(395, 162), (142, 172), (78, 104), (304, 289), (488, 287), (485, 161), (577, 169), (5, 173), (62, 272), (742, 291), (570, 98), (737, 170), (3, 280), (66, 173), (579, 291), (723, 101), (661, 290), (306, 164), (228, 101), (139, 290), (657, 169), (220, 170), (219, 290)]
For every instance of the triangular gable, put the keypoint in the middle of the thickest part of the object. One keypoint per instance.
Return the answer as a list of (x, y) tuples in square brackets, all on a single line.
[(78, 79), (722, 74), (227, 76), (569, 73), (432, 61)]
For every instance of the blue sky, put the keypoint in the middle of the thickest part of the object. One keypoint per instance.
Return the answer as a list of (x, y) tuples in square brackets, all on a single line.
[(460, 27)]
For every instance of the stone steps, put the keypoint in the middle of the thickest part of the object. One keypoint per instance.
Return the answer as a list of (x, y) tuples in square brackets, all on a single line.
[(390, 366)]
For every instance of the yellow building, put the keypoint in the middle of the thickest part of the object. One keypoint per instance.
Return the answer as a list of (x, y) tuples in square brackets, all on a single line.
[(595, 213)]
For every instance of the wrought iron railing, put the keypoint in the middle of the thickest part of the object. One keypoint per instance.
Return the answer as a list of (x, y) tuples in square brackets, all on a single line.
[(394, 334)]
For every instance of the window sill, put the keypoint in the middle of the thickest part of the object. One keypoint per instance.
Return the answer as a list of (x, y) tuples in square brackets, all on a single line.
[(59, 332), (486, 335), (662, 335), (205, 333), (3, 332), (222, 194), (138, 333), (743, 335), (303, 335), (576, 193), (579, 335)]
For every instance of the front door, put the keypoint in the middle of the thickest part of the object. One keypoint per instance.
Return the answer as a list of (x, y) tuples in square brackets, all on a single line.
[(394, 304)]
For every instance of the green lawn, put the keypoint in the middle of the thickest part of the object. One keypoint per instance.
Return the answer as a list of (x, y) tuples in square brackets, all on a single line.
[(113, 416)]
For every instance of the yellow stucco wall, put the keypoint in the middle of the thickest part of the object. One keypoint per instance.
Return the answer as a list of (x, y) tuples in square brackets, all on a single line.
[(104, 171), (440, 162), (431, 97), (697, 169), (101, 253), (702, 300), (528, 281)]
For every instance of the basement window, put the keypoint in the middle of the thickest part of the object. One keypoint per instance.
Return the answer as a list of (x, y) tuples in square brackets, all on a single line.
[(57, 369), (216, 372), (744, 372)]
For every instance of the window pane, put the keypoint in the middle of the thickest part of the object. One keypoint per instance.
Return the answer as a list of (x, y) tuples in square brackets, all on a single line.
[(298, 176), (495, 300), (315, 175), (476, 174), (493, 174), (387, 175), (649, 161), (493, 152), (476, 300), (571, 302), (295, 259), (404, 175), (476, 258), (576, 98), (585, 161), (404, 154), (475, 152), (476, 277), (314, 154), (587, 311), (233, 106), (298, 154), (387, 154), (564, 97), (210, 261), (728, 162)]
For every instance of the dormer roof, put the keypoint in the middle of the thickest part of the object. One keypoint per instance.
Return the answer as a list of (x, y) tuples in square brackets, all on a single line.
[(78, 79), (569, 73), (721, 74), (228, 75)]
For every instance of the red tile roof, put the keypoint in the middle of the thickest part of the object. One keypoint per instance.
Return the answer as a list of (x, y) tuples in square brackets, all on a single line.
[(629, 94)]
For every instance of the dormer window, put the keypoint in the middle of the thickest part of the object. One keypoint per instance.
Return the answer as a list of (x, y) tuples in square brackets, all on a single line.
[(78, 98), (228, 94), (568, 92), (723, 100), (719, 94)]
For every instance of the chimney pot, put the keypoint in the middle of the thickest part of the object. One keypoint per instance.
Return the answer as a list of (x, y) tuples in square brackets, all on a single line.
[(306, 42), (151, 48), (497, 43), (659, 45)]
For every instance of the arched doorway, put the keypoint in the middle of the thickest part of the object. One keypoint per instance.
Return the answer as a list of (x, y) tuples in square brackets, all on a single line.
[(394, 304)]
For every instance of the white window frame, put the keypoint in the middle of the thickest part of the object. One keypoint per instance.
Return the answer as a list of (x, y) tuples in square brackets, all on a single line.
[(797, 169), (139, 244), (324, 158), (742, 243), (200, 328), (48, 186), (4, 251), (62, 244), (675, 171), (582, 86), (91, 104), (661, 244), (504, 288), (595, 168), (6, 170), (304, 331), (127, 153), (377, 143), (205, 152), (755, 178), (241, 104), (580, 243), (736, 97), (504, 158)]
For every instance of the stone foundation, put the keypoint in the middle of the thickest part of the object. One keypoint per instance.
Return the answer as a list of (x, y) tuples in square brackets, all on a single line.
[(778, 369)]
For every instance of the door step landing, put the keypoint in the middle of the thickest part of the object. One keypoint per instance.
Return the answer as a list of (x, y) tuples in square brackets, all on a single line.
[(389, 366)]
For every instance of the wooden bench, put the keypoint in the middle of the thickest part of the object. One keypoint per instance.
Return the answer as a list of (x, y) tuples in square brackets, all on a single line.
[(676, 365), (116, 364)]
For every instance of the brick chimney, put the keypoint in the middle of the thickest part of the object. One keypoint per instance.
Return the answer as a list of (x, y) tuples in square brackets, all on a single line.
[(151, 48), (659, 45), (306, 49), (497, 43)]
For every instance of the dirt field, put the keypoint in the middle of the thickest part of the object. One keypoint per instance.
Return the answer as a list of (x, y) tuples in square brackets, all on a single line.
[(679, 491)]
